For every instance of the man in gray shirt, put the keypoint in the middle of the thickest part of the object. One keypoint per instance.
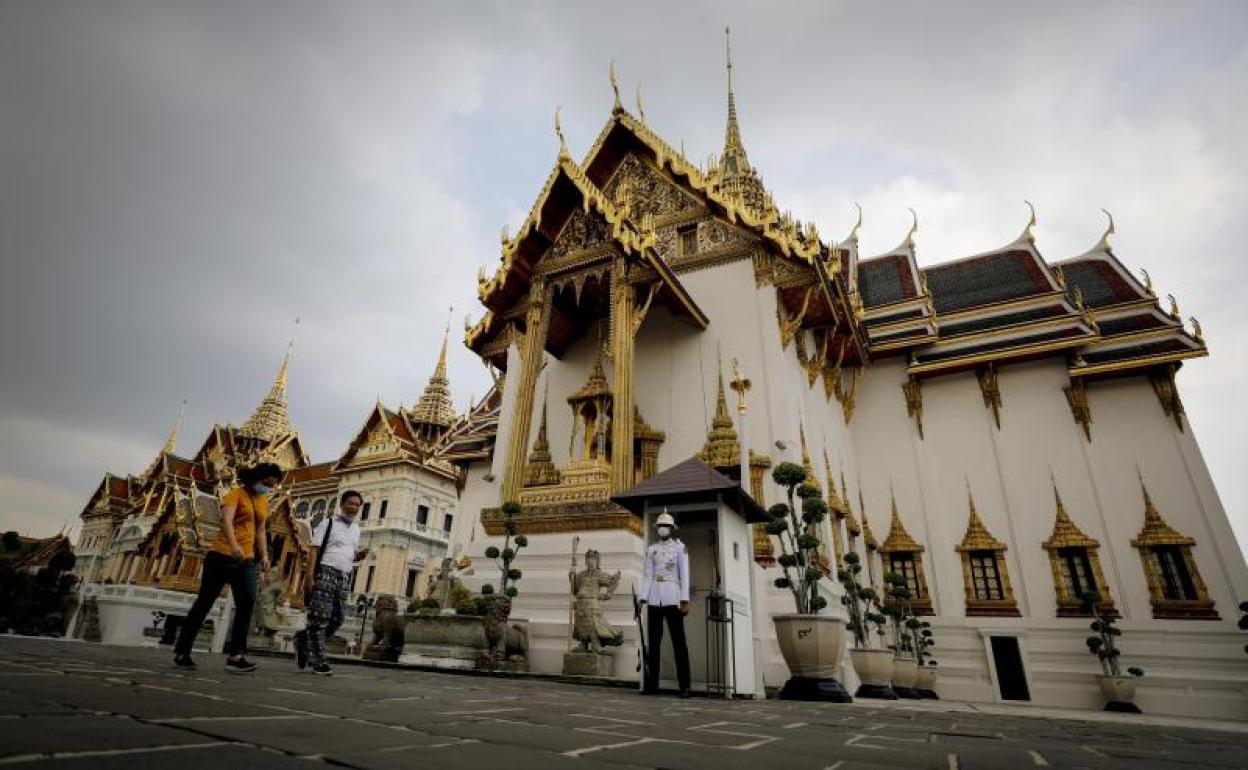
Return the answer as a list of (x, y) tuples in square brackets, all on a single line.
[(327, 585)]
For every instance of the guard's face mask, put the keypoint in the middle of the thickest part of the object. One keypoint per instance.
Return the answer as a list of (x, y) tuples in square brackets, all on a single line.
[(664, 532)]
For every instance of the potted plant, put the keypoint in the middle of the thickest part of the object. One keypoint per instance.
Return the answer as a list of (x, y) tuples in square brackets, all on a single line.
[(812, 644), (897, 608), (873, 666), (1119, 689), (1243, 620), (925, 683)]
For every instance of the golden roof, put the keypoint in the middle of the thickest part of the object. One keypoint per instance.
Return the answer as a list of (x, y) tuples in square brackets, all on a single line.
[(811, 478), (977, 537), (851, 521), (868, 537), (898, 540), (835, 504), (1065, 533), (270, 420), (1156, 530)]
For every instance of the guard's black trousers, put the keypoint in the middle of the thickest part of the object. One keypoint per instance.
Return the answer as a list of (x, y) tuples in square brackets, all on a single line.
[(676, 624)]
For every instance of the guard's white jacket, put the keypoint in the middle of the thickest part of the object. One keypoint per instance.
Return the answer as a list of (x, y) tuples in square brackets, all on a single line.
[(665, 577)]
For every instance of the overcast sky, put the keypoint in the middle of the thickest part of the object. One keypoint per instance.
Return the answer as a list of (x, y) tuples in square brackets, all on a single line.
[(179, 181)]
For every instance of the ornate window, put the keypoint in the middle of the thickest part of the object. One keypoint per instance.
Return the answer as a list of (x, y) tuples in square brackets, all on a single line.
[(985, 577), (1175, 587), (687, 236), (984, 573), (301, 510), (1076, 566), (902, 554), (422, 515), (318, 509)]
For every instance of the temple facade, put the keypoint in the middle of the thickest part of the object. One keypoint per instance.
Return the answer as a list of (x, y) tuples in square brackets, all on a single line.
[(1003, 430), (152, 531)]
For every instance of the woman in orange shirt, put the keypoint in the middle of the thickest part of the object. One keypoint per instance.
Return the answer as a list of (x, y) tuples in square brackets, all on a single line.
[(232, 560)]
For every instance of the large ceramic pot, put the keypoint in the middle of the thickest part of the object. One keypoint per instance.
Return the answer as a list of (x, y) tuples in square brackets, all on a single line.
[(875, 670), (813, 647), (925, 683), (905, 672), (1119, 691)]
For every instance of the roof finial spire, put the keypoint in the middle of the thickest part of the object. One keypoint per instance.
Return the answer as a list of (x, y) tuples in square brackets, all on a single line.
[(732, 140), (641, 113), (563, 143), (1109, 230), (446, 334), (1028, 233), (171, 443), (270, 420), (615, 87)]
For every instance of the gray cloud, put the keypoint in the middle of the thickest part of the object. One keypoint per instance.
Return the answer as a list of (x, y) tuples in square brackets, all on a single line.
[(181, 180)]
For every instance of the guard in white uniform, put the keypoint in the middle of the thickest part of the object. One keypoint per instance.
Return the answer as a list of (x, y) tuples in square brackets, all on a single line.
[(665, 593)]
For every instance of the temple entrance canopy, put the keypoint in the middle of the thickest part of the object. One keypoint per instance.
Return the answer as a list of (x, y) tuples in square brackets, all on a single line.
[(713, 515)]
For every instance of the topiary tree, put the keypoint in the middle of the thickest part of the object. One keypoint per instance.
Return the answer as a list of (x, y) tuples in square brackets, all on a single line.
[(1101, 643), (923, 642), (860, 602), (897, 608), (508, 575), (12, 540), (799, 546)]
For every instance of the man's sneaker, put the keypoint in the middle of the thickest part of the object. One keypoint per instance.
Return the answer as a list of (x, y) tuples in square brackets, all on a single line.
[(301, 651), (239, 665), (323, 670), (184, 662)]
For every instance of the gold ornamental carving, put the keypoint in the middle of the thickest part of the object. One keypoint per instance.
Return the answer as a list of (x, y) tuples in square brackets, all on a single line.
[(912, 389), (1077, 396), (1168, 393), (991, 390)]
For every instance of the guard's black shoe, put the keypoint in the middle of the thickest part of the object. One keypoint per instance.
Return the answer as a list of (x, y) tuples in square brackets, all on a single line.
[(686, 694), (323, 670), (184, 662), (239, 665), (301, 651)]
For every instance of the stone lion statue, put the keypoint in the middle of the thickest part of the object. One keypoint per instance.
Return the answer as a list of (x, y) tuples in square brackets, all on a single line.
[(505, 642), (388, 631)]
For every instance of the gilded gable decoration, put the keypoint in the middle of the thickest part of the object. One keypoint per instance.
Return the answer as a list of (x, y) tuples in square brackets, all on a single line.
[(1080, 409), (1168, 393), (991, 391), (1175, 587), (1076, 564), (985, 575), (837, 508), (912, 389), (851, 522), (868, 537)]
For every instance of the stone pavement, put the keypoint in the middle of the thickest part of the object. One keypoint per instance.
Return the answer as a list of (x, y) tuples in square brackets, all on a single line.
[(69, 705)]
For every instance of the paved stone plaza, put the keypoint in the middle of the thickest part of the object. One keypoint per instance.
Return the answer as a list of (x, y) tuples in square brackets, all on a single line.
[(76, 705)]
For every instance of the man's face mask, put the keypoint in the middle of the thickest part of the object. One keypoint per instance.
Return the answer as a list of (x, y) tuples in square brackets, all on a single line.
[(262, 489), (665, 532)]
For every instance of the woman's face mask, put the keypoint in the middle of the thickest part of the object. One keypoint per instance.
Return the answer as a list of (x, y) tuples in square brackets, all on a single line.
[(665, 532), (262, 489)]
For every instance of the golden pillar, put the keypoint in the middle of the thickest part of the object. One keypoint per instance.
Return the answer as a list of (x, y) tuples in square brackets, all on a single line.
[(623, 310), (532, 348)]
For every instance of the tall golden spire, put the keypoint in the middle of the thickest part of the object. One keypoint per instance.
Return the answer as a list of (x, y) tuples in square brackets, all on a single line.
[(732, 135), (270, 420), (807, 466), (171, 442), (723, 447), (540, 470), (435, 408), (738, 178)]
